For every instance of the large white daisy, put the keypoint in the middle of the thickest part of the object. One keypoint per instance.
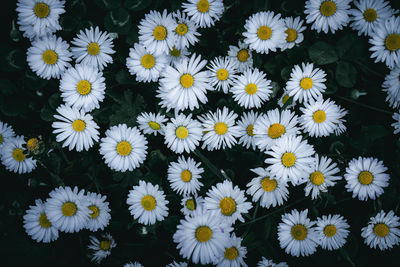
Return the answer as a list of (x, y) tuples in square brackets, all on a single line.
[(184, 176), (204, 12), (332, 231), (13, 156)]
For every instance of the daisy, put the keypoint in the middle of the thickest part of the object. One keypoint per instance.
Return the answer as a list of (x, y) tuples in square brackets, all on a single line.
[(251, 89), (67, 209), (228, 201), (270, 191), (265, 31), (6, 133), (77, 129), (324, 175), (151, 123), (147, 203), (386, 42), (327, 15), (246, 129), (184, 176), (101, 248), (124, 148), (285, 98), (83, 87), (38, 18), (366, 178), (13, 156), (176, 55), (291, 159), (271, 127), (204, 12), (135, 264), (37, 225), (297, 235), (220, 129), (269, 263), (185, 30), (156, 32), (332, 231), (145, 65), (396, 124), (391, 86), (177, 264), (49, 57), (294, 31), (222, 73), (183, 134), (99, 215), (93, 47), (34, 145), (306, 83), (368, 14), (382, 231), (184, 85), (233, 255), (190, 204), (241, 55)]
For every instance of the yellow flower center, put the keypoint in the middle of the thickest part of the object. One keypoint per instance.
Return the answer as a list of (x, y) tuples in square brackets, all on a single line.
[(203, 233), (49, 57), (306, 83), (275, 130), (370, 14), (186, 176), (285, 98), (175, 52), (392, 42), (154, 125), (68, 209), (41, 10), (319, 116), (43, 221), (365, 177), (93, 49), (328, 8), (317, 178), (78, 125), (291, 35), (231, 253), (221, 128), (105, 245), (222, 74), (95, 211), (330, 230), (250, 129), (148, 61), (299, 232), (83, 87), (160, 33), (203, 6), (268, 184), (264, 32), (124, 148), (32, 144), (181, 29), (190, 204), (288, 159), (227, 206), (18, 154), (181, 132), (251, 88), (381, 229), (149, 202), (243, 55), (187, 80)]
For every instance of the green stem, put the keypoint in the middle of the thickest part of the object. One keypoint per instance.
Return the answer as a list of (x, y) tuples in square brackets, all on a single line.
[(211, 166), (365, 106), (250, 225), (58, 180), (369, 69)]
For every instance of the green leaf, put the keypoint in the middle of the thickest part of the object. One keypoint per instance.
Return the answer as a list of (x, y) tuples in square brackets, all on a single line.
[(346, 74), (374, 132), (47, 113), (68, 23), (322, 53), (124, 77), (127, 109), (137, 5), (118, 20), (345, 43), (16, 59)]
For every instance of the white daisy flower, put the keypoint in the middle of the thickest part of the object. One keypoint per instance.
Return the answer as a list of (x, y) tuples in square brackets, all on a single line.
[(135, 264), (396, 124), (297, 235), (13, 156), (368, 14), (147, 203), (184, 85), (321, 117), (176, 55), (177, 264), (386, 42), (145, 65), (284, 98), (271, 127), (101, 249), (382, 231), (183, 133), (233, 255), (185, 30), (366, 178), (93, 47), (202, 236), (241, 55), (37, 225), (67, 209), (151, 123), (77, 129), (184, 176), (269, 263), (190, 204), (222, 73), (327, 15), (246, 129), (220, 129), (294, 31), (229, 202), (265, 31), (391, 86), (38, 18), (99, 215), (306, 82), (49, 57), (323, 176), (291, 159), (83, 87), (6, 133), (156, 32), (204, 12), (251, 89), (332, 231), (124, 148), (269, 191)]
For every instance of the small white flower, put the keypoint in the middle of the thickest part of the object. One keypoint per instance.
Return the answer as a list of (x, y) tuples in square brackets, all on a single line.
[(294, 31), (246, 129), (391, 86), (99, 215), (241, 55), (204, 12), (13, 156), (101, 249), (222, 73), (185, 30), (233, 255), (6, 133), (151, 123), (269, 263), (184, 176), (396, 124), (190, 204), (332, 231)]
